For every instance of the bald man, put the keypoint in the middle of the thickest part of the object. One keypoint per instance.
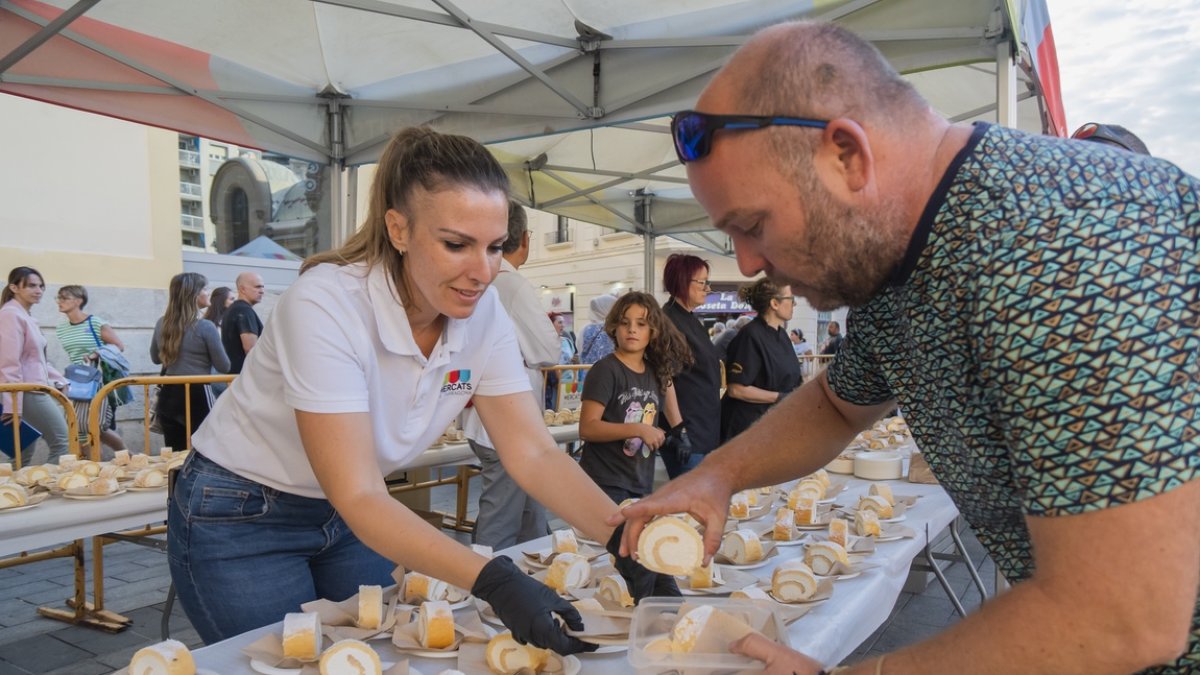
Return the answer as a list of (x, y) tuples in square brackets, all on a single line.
[(241, 326), (1030, 303)]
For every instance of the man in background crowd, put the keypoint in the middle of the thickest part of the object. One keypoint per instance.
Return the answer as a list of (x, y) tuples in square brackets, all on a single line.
[(507, 515), (241, 326)]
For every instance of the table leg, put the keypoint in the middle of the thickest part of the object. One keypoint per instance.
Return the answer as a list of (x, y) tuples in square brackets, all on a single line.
[(932, 566), (966, 559), (84, 613)]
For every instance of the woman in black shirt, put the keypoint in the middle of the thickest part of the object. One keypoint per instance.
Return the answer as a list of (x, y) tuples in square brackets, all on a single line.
[(761, 367), (697, 387)]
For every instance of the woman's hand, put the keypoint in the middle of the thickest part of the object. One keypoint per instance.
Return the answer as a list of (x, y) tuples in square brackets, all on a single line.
[(651, 435), (780, 660), (704, 493), (528, 607)]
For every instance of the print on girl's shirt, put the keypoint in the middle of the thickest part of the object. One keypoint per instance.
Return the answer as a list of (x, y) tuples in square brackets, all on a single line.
[(635, 414)]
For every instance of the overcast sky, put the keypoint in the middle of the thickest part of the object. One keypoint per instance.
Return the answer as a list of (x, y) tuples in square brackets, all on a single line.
[(1136, 64)]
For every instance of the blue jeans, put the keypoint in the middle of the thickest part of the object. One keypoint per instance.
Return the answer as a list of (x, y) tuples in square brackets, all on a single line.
[(242, 554)]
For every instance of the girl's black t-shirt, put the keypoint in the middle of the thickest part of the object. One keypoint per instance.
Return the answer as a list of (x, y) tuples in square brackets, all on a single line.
[(628, 397)]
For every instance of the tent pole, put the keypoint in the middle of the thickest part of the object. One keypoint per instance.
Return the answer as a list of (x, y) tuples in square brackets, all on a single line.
[(1006, 86), (351, 202), (641, 213), (339, 229), (648, 261)]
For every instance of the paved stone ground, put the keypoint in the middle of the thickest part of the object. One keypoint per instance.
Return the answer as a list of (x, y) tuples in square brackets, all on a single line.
[(137, 580)]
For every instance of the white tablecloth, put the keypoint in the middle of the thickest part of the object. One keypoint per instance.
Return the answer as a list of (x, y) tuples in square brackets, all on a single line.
[(58, 520), (460, 453), (829, 633)]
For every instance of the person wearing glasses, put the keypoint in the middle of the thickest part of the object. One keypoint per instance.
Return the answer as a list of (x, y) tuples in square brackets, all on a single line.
[(698, 386), (761, 367), (82, 337), (1031, 303)]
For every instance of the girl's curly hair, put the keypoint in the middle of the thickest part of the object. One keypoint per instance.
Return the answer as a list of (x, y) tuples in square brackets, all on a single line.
[(667, 352)]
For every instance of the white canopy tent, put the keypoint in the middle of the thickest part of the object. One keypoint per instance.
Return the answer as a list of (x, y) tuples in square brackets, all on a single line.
[(571, 94)]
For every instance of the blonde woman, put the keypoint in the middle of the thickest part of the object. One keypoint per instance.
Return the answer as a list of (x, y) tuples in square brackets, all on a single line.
[(185, 345)]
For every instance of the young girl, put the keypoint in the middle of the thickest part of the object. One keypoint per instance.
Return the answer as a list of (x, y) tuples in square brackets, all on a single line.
[(624, 393)]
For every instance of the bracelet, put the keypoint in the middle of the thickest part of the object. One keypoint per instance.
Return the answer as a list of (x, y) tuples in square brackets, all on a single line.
[(879, 665)]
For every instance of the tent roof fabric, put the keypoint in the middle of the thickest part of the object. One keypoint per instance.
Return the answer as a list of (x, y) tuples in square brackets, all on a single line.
[(571, 94)]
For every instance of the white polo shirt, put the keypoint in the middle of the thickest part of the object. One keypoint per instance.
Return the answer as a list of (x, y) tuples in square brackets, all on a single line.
[(339, 342)]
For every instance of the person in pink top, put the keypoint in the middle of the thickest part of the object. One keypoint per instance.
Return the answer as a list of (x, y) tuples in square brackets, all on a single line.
[(23, 359)]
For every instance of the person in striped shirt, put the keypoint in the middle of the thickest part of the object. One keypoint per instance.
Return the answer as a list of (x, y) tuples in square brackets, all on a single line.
[(81, 335)]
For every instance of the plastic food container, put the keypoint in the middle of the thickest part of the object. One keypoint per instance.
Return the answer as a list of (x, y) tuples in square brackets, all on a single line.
[(654, 618), (885, 465)]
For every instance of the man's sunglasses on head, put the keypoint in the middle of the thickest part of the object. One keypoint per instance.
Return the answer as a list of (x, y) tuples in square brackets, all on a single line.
[(693, 131)]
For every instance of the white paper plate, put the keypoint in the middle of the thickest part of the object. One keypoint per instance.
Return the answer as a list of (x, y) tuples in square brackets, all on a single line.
[(35, 499), (789, 604), (607, 649), (87, 498), (748, 566), (839, 577), (134, 488), (263, 668), (453, 605), (436, 653), (791, 542)]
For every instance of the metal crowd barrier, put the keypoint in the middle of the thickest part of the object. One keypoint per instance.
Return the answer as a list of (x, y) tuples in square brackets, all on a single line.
[(811, 365), (81, 611), (69, 408), (145, 536), (146, 382)]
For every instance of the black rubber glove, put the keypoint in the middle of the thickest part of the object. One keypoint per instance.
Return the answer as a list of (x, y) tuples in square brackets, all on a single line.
[(527, 607), (682, 444), (642, 582)]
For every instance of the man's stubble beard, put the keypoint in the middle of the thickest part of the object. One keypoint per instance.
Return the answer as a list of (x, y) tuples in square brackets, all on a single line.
[(844, 255)]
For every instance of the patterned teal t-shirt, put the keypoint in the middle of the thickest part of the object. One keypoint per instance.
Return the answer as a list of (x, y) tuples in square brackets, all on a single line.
[(1041, 336)]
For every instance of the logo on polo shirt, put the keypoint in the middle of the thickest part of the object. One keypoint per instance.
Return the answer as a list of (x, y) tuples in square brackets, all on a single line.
[(457, 382)]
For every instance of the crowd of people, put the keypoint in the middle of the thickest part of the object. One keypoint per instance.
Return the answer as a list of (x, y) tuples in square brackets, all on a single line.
[(1059, 424), (202, 332)]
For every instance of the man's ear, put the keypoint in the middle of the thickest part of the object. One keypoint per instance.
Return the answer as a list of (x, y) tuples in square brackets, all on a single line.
[(844, 160), (398, 229)]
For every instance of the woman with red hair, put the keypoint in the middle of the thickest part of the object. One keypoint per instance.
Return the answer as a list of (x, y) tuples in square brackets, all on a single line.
[(698, 387)]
